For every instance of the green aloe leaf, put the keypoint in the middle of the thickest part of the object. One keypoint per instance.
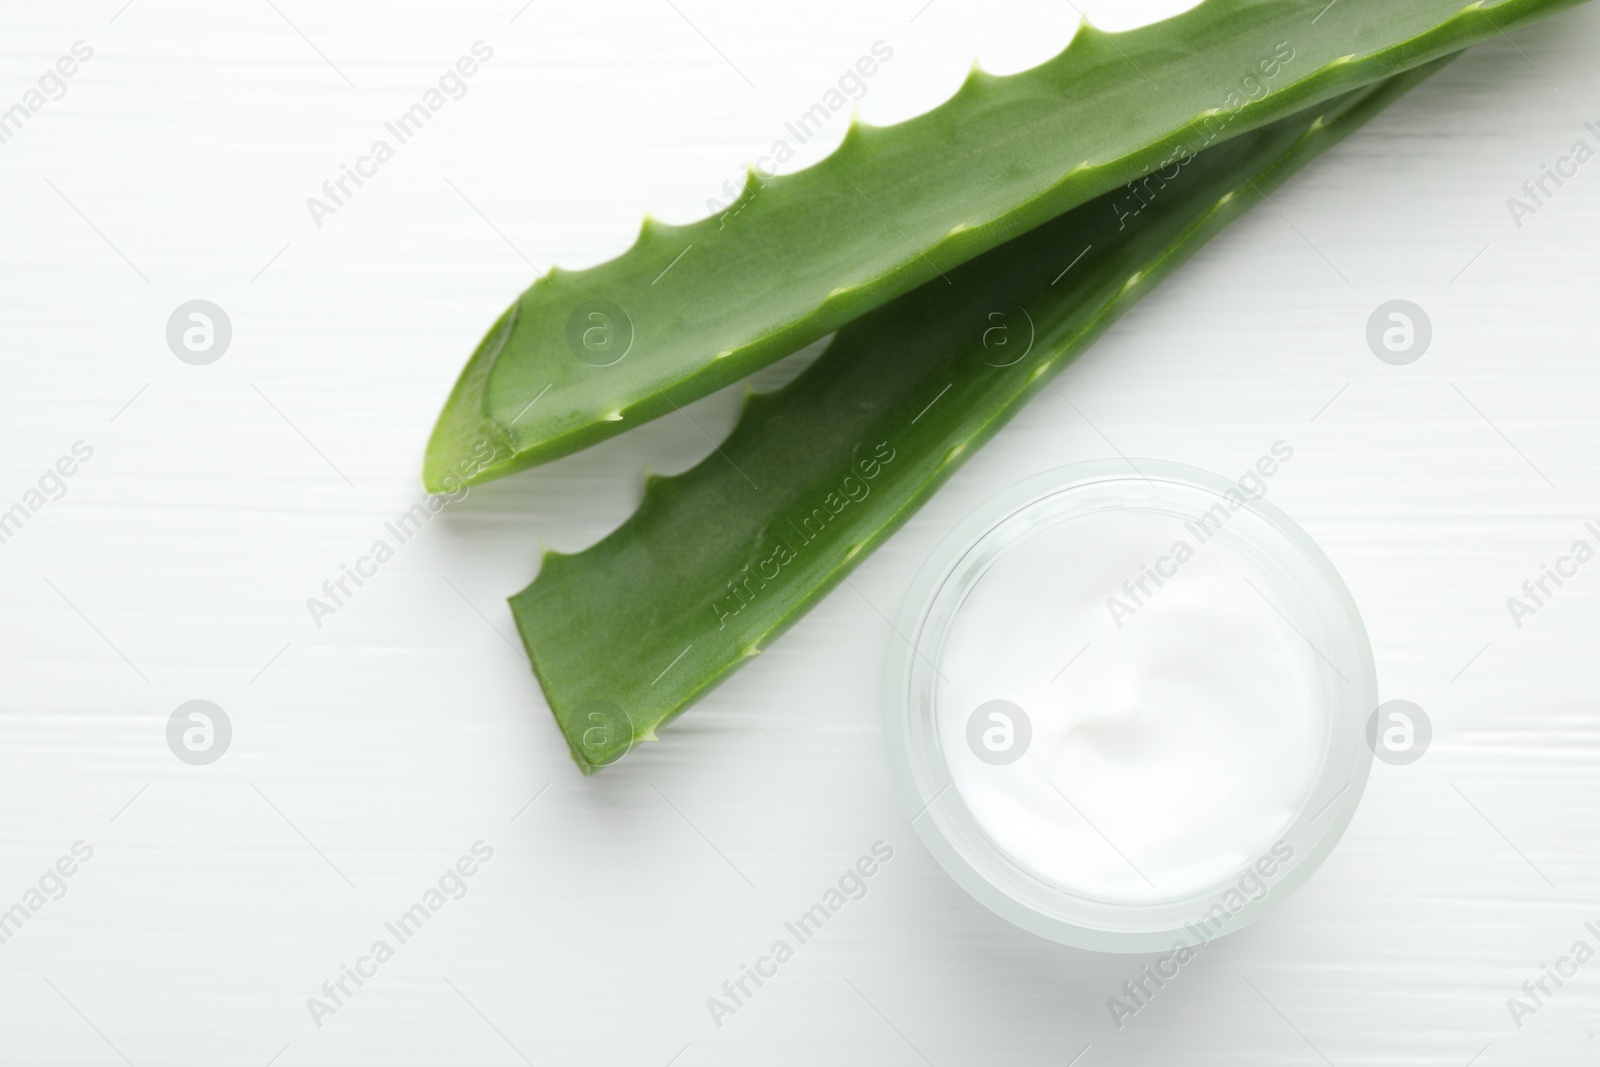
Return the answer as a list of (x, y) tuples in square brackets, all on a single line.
[(689, 309), (719, 560)]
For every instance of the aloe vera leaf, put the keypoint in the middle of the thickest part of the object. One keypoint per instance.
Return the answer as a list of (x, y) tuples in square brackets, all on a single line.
[(689, 309), (710, 570)]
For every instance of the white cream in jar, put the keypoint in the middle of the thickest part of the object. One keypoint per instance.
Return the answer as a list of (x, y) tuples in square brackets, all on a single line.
[(1127, 692), (1179, 743)]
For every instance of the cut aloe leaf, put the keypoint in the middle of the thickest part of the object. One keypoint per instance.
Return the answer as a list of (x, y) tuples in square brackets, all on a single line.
[(586, 354), (710, 569)]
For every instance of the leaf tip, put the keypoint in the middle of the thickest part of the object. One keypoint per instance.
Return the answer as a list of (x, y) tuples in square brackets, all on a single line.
[(652, 231), (859, 126), (1082, 29), (854, 131), (977, 78)]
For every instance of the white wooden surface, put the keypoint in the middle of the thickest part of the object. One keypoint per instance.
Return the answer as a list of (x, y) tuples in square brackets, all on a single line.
[(369, 754)]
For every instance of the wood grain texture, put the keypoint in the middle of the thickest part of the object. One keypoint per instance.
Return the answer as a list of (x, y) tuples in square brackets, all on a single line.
[(370, 753)]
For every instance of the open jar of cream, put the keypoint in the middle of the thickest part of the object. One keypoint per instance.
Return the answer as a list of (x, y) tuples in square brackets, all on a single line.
[(1127, 705)]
